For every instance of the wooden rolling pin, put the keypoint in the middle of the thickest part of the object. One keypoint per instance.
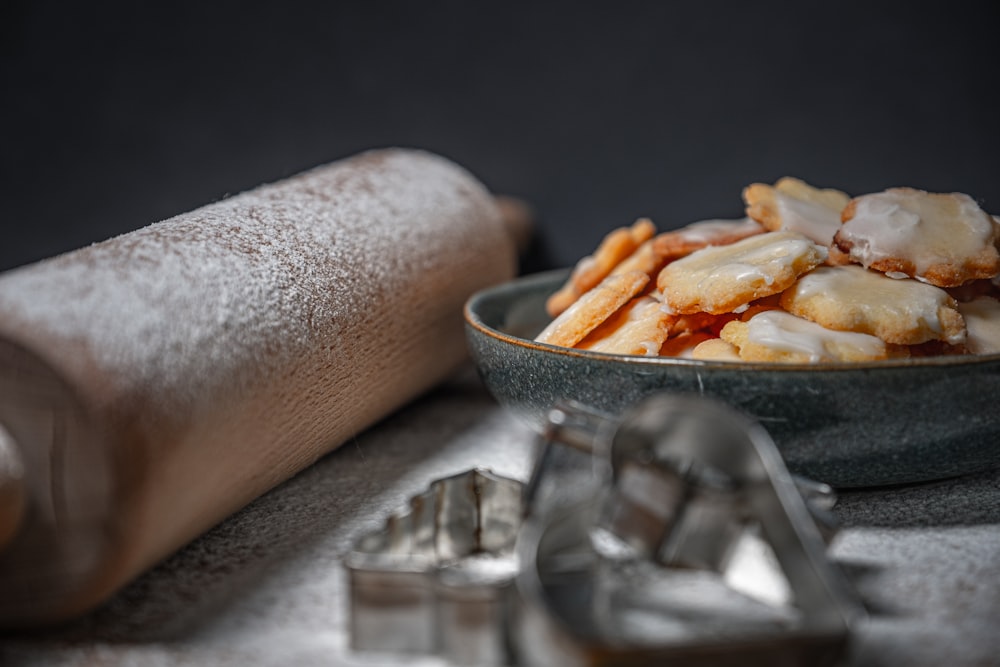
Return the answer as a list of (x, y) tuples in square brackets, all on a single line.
[(152, 384)]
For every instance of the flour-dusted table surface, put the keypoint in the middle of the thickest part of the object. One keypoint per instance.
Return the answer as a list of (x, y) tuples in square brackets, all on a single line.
[(267, 586)]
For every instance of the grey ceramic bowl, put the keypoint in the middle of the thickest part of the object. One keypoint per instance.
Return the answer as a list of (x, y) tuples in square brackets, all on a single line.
[(845, 424)]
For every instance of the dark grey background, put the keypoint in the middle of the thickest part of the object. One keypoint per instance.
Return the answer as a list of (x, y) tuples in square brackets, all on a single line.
[(116, 115)]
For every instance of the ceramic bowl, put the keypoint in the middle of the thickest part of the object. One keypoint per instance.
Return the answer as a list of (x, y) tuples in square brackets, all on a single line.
[(848, 425)]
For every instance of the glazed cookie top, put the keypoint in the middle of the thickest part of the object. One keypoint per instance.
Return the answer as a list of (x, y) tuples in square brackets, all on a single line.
[(721, 279), (852, 298), (982, 321), (774, 335), (794, 205), (943, 239)]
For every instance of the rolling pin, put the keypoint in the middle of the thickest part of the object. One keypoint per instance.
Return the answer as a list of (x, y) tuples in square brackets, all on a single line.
[(154, 383)]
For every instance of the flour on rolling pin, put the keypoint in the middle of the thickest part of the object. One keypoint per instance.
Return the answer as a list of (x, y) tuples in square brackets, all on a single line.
[(158, 381)]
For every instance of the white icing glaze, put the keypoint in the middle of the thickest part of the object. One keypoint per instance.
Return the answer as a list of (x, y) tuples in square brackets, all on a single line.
[(755, 259), (924, 228), (784, 332), (812, 220), (717, 279), (739, 272)]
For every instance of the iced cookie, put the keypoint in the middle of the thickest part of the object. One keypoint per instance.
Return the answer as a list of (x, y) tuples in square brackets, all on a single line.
[(982, 321), (777, 336), (852, 298), (721, 279), (794, 205), (682, 242), (942, 239)]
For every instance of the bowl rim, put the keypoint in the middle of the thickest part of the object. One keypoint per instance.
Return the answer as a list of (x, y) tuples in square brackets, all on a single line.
[(533, 281)]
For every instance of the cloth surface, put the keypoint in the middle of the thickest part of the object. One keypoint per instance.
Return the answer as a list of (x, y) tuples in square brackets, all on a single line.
[(267, 586)]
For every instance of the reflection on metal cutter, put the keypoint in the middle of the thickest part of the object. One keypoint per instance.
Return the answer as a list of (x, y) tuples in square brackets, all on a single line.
[(435, 580), (672, 532)]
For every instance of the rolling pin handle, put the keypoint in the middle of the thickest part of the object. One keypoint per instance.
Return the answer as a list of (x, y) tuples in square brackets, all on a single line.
[(519, 220)]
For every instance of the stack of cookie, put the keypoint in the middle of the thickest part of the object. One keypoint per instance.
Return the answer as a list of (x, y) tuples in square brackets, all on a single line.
[(810, 275)]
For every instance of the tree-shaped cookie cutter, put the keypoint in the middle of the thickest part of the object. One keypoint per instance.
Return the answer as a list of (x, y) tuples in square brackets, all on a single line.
[(671, 533)]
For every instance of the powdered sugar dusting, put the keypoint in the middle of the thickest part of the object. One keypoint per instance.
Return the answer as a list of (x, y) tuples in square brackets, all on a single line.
[(225, 295)]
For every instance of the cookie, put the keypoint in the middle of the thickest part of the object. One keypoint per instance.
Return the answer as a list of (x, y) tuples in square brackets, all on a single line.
[(941, 239), (715, 349), (592, 308), (772, 302), (640, 328), (592, 269), (698, 322), (682, 346), (682, 242), (778, 336), (647, 258), (893, 265), (982, 321), (852, 298), (794, 205), (722, 279)]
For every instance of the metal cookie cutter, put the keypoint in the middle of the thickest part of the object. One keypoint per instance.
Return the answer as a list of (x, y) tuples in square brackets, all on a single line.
[(702, 549), (673, 532), (434, 581)]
